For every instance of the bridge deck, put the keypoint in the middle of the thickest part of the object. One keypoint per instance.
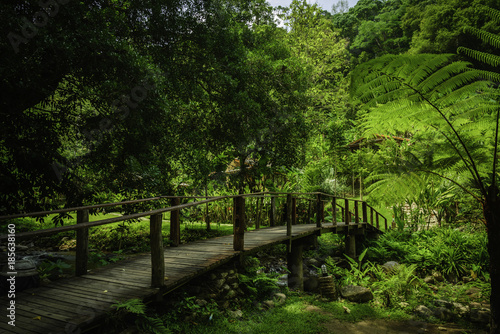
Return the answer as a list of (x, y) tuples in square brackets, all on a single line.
[(66, 305)]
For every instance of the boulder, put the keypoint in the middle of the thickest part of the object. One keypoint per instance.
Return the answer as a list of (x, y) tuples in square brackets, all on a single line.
[(390, 266), (268, 304), (480, 315), (358, 294), (423, 311), (443, 313), (280, 298)]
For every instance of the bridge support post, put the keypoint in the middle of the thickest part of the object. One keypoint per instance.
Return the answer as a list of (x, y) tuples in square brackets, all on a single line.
[(295, 265), (157, 253), (239, 223), (175, 224), (350, 245), (364, 209), (272, 213), (82, 244), (319, 211)]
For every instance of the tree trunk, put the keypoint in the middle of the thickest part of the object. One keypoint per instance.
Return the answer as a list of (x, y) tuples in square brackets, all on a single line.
[(492, 215)]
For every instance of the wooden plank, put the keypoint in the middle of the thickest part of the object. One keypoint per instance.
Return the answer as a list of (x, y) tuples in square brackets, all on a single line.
[(157, 252), (46, 313), (113, 280), (46, 324), (22, 326), (100, 302)]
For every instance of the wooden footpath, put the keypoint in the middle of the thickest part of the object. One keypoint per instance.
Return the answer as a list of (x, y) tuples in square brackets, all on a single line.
[(78, 304)]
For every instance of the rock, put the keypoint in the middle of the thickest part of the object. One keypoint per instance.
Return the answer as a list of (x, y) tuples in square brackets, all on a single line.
[(280, 298), (268, 304), (443, 303), (443, 313), (235, 314), (480, 315), (437, 276), (21, 248), (218, 284), (201, 302), (404, 304), (473, 292), (230, 294), (358, 294), (313, 262), (390, 266), (423, 311), (429, 280), (460, 309)]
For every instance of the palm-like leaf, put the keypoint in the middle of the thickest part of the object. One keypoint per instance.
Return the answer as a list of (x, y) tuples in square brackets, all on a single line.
[(444, 105)]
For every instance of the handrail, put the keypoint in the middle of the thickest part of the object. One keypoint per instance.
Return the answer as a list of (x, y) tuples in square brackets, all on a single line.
[(156, 239)]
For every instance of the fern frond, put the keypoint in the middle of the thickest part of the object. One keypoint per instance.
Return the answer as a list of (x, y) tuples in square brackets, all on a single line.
[(487, 37), (483, 57)]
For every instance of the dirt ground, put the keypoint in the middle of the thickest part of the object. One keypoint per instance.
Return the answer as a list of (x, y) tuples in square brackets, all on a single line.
[(381, 326)]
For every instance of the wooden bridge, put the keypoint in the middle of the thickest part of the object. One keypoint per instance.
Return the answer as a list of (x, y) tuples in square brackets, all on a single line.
[(78, 304)]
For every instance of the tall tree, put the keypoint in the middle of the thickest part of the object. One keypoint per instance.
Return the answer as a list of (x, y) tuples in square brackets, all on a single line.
[(452, 117)]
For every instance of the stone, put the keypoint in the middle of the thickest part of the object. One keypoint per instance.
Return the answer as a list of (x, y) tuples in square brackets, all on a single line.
[(268, 304), (235, 314), (403, 304), (437, 276), (390, 266), (429, 280), (313, 262), (423, 311), (480, 315), (443, 303), (443, 313), (230, 294), (201, 302), (280, 298), (358, 294), (218, 284), (460, 309)]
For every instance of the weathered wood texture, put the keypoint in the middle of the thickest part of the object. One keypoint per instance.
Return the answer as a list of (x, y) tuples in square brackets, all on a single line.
[(79, 303)]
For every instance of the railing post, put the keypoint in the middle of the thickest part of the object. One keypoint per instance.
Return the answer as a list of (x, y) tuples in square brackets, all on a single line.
[(364, 209), (289, 215), (347, 214), (157, 253), (239, 223), (175, 224), (272, 214), (356, 212), (385, 223), (371, 215), (334, 211), (378, 225), (319, 210), (294, 211), (82, 244)]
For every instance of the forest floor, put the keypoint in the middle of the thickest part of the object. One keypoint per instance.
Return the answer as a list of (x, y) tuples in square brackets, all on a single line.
[(385, 326)]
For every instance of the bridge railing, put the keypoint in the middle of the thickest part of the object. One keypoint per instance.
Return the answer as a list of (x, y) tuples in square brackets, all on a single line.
[(316, 208)]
